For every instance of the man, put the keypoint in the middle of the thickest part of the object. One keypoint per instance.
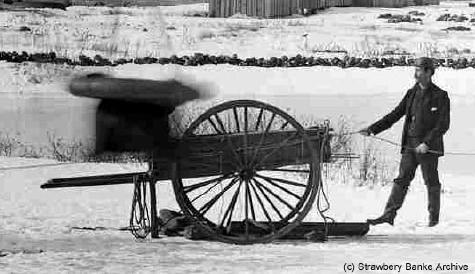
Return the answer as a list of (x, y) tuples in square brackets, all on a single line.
[(426, 108)]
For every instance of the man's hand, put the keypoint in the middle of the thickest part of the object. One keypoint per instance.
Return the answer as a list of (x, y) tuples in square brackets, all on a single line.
[(422, 148), (365, 132)]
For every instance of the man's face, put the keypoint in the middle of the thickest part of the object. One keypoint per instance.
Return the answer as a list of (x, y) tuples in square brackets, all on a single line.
[(422, 75)]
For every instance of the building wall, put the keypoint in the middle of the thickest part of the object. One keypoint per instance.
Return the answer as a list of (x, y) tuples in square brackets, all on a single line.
[(282, 8), (269, 8)]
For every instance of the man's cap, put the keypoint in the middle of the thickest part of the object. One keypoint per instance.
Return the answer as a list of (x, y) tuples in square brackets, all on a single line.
[(425, 62)]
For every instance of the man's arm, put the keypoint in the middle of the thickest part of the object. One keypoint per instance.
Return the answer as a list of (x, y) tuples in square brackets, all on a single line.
[(443, 121), (388, 120)]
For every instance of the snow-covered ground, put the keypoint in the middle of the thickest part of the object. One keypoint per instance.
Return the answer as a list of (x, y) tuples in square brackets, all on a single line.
[(161, 31), (37, 237)]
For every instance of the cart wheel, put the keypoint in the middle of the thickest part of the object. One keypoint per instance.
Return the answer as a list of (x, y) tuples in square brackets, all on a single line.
[(267, 181)]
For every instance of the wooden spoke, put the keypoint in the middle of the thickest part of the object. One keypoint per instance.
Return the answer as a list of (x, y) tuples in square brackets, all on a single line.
[(246, 128), (281, 180), (231, 205), (230, 143), (267, 198), (205, 183), (220, 123), (261, 140), (208, 190), (211, 202), (275, 195), (259, 119), (269, 125), (284, 125), (236, 118), (251, 203), (246, 211), (214, 126), (282, 188), (261, 203)]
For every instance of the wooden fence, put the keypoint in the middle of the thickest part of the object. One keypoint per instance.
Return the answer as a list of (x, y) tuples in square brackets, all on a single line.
[(269, 8), (282, 8)]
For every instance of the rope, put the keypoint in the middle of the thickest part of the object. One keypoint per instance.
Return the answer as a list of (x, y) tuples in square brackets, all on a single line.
[(321, 194), (139, 222), (407, 147), (430, 150)]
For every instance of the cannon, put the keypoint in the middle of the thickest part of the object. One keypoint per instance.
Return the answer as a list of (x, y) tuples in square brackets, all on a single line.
[(244, 171)]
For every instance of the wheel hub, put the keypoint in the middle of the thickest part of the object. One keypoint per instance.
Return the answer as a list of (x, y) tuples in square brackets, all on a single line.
[(247, 174)]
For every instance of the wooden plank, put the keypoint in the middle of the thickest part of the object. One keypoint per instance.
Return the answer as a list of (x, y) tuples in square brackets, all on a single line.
[(221, 5), (334, 229), (101, 180), (211, 8), (281, 7), (272, 8), (267, 9), (153, 211), (259, 8), (285, 7), (252, 8), (226, 5), (223, 8), (249, 8), (216, 8), (232, 8)]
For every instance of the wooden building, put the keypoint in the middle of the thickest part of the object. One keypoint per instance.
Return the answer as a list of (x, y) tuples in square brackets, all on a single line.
[(269, 8), (282, 8)]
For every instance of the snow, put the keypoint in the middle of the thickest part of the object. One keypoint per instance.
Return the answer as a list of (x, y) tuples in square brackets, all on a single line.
[(36, 229), (162, 31)]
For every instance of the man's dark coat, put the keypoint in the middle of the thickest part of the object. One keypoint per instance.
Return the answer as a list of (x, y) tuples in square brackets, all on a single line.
[(433, 117)]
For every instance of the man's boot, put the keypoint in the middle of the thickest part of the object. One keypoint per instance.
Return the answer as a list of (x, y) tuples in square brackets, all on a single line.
[(395, 200), (433, 204)]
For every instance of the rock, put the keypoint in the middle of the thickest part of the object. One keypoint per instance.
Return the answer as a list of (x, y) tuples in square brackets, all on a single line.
[(458, 28), (24, 28), (316, 236), (461, 19), (192, 232), (416, 13), (443, 17), (163, 61), (173, 223), (385, 16)]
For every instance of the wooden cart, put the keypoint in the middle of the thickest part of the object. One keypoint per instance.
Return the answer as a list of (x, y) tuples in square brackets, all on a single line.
[(245, 171)]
